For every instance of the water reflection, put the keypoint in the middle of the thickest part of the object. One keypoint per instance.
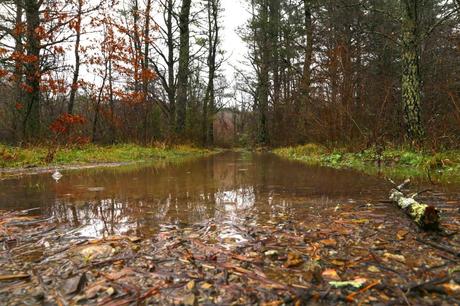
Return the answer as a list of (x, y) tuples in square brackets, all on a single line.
[(230, 188)]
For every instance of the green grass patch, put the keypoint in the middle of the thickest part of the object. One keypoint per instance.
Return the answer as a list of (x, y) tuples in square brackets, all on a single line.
[(397, 163), (16, 157)]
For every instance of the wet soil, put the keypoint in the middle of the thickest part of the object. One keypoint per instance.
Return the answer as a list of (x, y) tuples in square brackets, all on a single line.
[(234, 228)]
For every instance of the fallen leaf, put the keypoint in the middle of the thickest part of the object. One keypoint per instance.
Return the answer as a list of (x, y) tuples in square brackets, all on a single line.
[(401, 234), (134, 239), (337, 262), (189, 299), (360, 221), (329, 242), (91, 293), (117, 275), (293, 260), (191, 285), (96, 251), (373, 269), (206, 286), (451, 288), (396, 257), (330, 275)]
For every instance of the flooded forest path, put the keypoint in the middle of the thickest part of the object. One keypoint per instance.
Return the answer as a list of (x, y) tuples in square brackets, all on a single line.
[(233, 228)]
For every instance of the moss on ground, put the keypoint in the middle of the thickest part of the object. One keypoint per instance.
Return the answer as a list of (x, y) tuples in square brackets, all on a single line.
[(397, 163), (17, 157)]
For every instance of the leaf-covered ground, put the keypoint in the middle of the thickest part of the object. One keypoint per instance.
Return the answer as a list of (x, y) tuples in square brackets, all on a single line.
[(352, 253)]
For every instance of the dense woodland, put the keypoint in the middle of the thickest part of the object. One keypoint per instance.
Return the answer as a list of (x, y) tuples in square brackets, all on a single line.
[(336, 72)]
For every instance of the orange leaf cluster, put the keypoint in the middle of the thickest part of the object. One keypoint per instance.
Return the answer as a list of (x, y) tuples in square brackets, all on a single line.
[(22, 57), (64, 123)]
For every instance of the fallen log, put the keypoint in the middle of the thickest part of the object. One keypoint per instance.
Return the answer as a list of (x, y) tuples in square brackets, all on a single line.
[(425, 216)]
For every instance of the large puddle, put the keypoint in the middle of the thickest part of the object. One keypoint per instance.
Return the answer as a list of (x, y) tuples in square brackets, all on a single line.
[(230, 229), (228, 188)]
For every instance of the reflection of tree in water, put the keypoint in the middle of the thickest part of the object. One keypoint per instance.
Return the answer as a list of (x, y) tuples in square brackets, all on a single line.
[(100, 217), (112, 216)]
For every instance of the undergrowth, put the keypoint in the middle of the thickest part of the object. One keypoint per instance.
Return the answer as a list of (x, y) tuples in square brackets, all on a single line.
[(394, 162), (17, 157)]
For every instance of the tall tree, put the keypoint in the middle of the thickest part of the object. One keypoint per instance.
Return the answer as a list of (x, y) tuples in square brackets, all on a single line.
[(411, 82), (263, 41), (76, 73), (213, 37), (184, 62), (31, 121), (167, 75)]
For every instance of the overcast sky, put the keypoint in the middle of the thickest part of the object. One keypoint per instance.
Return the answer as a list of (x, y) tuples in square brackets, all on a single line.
[(235, 15)]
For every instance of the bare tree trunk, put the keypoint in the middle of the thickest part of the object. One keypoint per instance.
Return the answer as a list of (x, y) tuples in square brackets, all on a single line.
[(273, 32), (411, 83), (184, 61), (113, 130), (76, 72), (213, 40), (31, 121), (137, 45), (171, 90), (145, 66), (264, 75), (18, 66), (305, 82), (99, 99)]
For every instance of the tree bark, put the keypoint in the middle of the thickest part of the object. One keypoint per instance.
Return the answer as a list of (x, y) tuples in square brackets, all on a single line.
[(184, 61), (274, 28), (264, 73), (305, 82), (213, 40), (76, 72), (18, 67), (171, 90), (411, 83), (145, 66), (31, 120)]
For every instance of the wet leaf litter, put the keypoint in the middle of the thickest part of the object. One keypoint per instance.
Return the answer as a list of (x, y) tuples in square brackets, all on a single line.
[(324, 260)]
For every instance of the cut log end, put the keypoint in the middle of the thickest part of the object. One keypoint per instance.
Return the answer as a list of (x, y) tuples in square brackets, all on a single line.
[(430, 218)]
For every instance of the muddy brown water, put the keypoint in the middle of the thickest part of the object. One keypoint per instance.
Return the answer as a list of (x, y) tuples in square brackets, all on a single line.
[(229, 188)]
